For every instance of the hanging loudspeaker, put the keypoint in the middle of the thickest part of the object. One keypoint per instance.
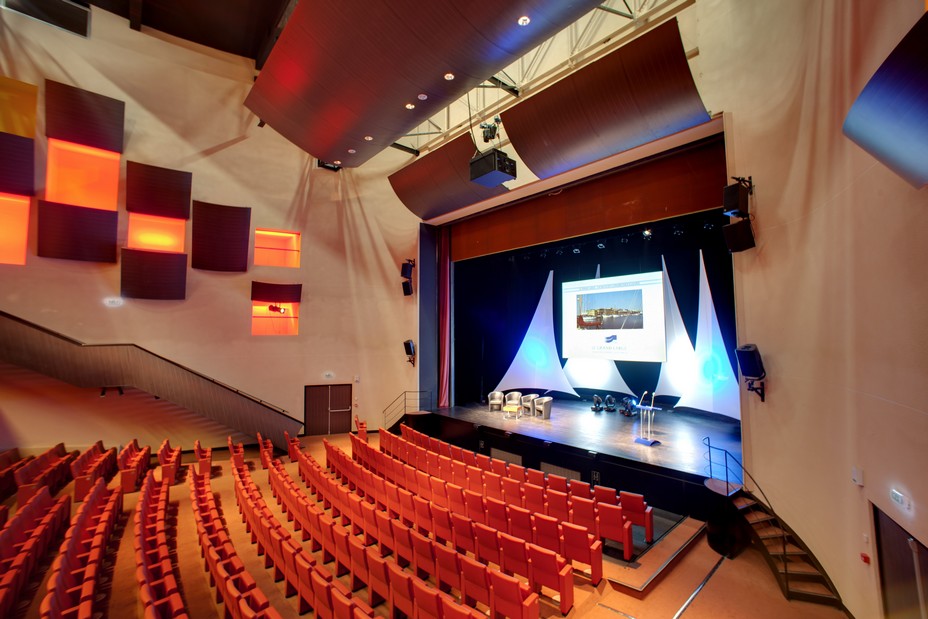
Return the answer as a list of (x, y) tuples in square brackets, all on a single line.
[(752, 366)]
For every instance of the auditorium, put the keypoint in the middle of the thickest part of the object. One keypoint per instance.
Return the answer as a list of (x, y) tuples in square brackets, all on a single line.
[(369, 308)]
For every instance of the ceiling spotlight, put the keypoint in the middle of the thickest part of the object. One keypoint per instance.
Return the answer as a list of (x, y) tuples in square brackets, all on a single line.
[(410, 106), (422, 96), (576, 250), (368, 138), (601, 244), (646, 234), (525, 20), (276, 309), (708, 226), (337, 162), (352, 151), (449, 76), (677, 231)]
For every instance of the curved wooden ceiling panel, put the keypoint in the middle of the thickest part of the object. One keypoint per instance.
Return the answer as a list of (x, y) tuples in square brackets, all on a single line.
[(345, 70), (439, 182), (639, 93)]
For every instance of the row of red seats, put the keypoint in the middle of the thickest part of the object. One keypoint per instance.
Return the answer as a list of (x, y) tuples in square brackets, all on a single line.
[(574, 542), (315, 584), (133, 463), (204, 458), (93, 464), (169, 459), (24, 540), (386, 578), (4, 514), (265, 451), (601, 509), (294, 446), (235, 586), (236, 452), (72, 586), (154, 573), (9, 462), (48, 469)]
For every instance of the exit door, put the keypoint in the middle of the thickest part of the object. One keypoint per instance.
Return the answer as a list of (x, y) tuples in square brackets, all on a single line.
[(327, 409)]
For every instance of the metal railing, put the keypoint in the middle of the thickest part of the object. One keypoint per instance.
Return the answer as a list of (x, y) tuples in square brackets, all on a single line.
[(738, 474), (404, 403)]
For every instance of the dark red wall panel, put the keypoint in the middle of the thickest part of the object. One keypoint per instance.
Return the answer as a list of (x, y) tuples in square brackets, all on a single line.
[(76, 233), (17, 165), (220, 237), (83, 117), (162, 192), (153, 275), (280, 293)]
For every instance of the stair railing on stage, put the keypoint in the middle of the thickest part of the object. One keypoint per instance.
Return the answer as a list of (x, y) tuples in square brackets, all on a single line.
[(404, 403), (739, 473)]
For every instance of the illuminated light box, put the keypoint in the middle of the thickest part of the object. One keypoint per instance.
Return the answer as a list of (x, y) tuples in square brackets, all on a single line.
[(76, 233), (17, 165), (82, 175), (220, 237), (275, 318), (14, 228), (153, 275), (156, 233), (17, 111), (277, 248)]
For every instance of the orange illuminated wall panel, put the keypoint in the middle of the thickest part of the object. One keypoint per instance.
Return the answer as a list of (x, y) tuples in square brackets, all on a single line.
[(17, 107), (156, 233), (14, 228), (267, 322), (277, 248), (82, 175)]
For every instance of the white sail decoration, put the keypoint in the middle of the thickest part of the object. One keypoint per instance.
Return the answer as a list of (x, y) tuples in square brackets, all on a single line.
[(715, 386), (595, 373), (537, 364), (678, 371)]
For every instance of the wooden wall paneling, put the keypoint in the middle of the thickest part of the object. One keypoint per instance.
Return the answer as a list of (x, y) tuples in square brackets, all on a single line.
[(162, 192), (76, 233), (220, 237), (17, 165), (83, 117), (153, 275)]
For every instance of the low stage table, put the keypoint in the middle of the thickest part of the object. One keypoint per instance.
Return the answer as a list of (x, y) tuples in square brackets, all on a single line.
[(509, 409)]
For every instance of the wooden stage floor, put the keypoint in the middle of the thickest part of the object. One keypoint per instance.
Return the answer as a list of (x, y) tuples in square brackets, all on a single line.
[(680, 432)]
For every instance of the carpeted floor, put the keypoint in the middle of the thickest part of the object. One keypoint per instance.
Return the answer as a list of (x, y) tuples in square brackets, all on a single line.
[(742, 587)]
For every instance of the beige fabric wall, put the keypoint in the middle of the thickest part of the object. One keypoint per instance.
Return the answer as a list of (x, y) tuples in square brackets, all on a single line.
[(834, 295), (184, 111)]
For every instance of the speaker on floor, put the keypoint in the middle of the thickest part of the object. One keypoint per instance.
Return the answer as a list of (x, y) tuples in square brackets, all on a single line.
[(738, 235), (750, 362)]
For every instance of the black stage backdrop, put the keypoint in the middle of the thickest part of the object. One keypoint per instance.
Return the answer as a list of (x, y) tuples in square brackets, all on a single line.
[(495, 297)]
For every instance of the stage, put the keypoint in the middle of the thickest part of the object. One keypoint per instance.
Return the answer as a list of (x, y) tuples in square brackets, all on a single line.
[(680, 432)]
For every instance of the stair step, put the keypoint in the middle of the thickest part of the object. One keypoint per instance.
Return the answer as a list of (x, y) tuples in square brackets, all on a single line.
[(720, 486), (774, 546), (758, 516), (811, 588), (767, 530), (743, 502), (798, 568)]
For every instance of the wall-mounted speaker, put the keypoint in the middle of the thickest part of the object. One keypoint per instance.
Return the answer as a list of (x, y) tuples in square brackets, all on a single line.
[(735, 200), (739, 236), (410, 347), (407, 288), (750, 362), (406, 270)]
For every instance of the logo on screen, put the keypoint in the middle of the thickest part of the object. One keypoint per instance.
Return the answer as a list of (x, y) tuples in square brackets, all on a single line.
[(610, 339)]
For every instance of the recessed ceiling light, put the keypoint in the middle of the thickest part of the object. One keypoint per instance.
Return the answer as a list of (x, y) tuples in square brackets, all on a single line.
[(410, 106), (351, 151), (337, 162), (422, 96), (449, 76), (525, 20), (368, 138)]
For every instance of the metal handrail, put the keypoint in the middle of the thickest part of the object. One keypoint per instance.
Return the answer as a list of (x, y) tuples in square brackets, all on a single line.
[(767, 503), (401, 405)]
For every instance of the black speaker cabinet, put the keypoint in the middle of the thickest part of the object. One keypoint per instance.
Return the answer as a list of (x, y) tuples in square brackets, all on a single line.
[(492, 168), (407, 288), (752, 366), (406, 270), (739, 236), (410, 348), (735, 200)]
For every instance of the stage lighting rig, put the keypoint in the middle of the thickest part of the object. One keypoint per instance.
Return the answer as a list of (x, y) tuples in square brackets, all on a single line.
[(490, 129), (277, 309)]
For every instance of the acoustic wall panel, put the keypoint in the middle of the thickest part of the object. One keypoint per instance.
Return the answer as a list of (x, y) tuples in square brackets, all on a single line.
[(889, 119), (76, 233), (640, 92), (17, 164), (153, 275), (156, 233), (220, 237), (152, 190), (83, 117), (14, 228), (71, 16), (82, 175), (17, 107), (276, 293)]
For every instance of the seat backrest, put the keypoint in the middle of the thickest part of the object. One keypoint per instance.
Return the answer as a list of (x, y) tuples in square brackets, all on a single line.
[(514, 397), (632, 502), (496, 396)]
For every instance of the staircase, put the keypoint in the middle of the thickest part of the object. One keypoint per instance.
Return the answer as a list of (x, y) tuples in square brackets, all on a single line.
[(797, 571)]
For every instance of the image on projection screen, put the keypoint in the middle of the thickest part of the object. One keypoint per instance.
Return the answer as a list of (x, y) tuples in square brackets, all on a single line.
[(619, 318)]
